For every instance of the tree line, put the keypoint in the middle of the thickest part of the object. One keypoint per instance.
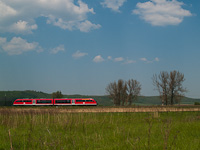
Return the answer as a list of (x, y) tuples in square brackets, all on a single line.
[(168, 84)]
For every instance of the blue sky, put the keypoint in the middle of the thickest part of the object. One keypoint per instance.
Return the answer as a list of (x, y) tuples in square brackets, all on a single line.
[(80, 46)]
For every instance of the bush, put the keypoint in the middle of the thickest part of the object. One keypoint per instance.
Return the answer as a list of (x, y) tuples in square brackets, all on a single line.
[(196, 103)]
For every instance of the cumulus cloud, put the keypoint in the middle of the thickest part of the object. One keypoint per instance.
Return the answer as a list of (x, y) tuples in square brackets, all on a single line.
[(121, 59), (22, 27), (55, 50), (79, 54), (86, 26), (17, 46), (150, 61), (6, 11), (98, 59), (143, 59), (129, 61), (118, 59), (19, 16), (113, 4), (161, 12), (109, 57), (157, 59), (2, 41), (83, 26)]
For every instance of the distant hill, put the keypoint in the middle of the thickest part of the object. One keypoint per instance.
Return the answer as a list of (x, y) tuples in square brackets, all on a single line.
[(23, 94), (155, 100), (7, 97)]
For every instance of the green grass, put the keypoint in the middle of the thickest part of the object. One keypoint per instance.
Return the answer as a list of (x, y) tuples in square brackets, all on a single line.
[(105, 131)]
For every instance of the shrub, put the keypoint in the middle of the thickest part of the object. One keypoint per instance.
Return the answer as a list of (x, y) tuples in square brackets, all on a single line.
[(196, 103)]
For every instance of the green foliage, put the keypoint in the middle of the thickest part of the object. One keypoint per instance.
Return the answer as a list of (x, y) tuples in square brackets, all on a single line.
[(57, 94), (196, 103), (23, 94), (52, 130)]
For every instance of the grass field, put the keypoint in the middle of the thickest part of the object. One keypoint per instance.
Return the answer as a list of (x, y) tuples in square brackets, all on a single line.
[(51, 129)]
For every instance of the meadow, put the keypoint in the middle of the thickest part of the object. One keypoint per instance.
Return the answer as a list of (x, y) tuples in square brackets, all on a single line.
[(51, 129)]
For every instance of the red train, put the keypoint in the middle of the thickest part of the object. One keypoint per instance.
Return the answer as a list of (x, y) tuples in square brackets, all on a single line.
[(56, 102)]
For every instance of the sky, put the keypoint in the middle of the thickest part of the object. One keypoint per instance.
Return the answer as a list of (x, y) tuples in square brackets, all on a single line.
[(80, 46)]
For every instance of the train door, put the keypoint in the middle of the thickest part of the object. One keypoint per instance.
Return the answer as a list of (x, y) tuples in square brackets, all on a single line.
[(73, 102), (34, 102)]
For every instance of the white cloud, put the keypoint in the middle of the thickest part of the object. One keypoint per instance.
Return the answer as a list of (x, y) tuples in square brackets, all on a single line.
[(157, 59), (162, 12), (109, 58), (19, 16), (86, 26), (98, 59), (121, 59), (18, 46), (118, 59), (113, 4), (79, 54), (55, 50), (129, 61), (150, 61), (2, 41), (22, 27), (143, 59), (146, 60), (6, 11)]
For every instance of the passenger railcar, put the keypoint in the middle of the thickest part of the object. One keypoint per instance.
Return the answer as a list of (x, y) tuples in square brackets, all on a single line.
[(30, 102), (56, 102)]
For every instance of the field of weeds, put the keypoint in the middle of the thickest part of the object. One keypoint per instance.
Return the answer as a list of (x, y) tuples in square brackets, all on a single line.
[(71, 109), (52, 129)]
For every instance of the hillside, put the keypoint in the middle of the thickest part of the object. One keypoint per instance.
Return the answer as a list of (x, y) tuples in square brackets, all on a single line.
[(7, 98), (155, 100)]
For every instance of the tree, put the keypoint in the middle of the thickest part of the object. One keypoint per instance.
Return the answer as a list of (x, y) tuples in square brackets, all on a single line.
[(133, 90), (122, 92), (57, 94), (117, 92), (169, 86), (161, 83), (176, 88), (111, 89)]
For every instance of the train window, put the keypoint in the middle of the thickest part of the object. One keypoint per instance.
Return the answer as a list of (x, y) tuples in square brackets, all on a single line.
[(63, 101), (43, 101), (89, 101), (27, 101), (23, 101), (19, 101), (80, 100)]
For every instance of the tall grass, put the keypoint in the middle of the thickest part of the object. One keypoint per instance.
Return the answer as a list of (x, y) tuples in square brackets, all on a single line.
[(53, 130)]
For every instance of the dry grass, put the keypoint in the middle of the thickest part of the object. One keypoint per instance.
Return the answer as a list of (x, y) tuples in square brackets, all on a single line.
[(101, 109)]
